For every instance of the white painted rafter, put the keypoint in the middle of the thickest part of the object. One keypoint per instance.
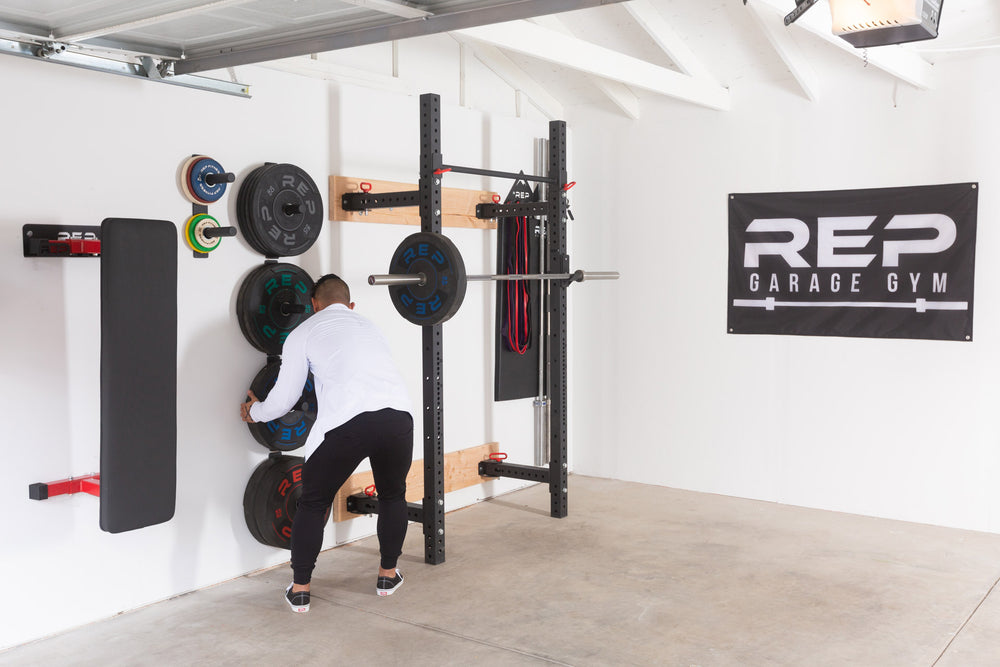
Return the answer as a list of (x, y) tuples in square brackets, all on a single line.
[(550, 45), (514, 76), (620, 95), (900, 63), (650, 20), (617, 92), (778, 34)]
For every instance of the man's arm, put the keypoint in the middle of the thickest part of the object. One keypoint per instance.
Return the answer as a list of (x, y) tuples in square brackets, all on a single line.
[(287, 388)]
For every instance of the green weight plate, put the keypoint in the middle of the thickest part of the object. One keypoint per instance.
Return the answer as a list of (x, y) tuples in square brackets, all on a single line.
[(197, 232), (272, 300), (197, 242)]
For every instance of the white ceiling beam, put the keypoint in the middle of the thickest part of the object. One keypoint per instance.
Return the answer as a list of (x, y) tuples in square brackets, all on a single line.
[(515, 77), (620, 95), (900, 63), (778, 34), (549, 45), (617, 92), (393, 7), (650, 20)]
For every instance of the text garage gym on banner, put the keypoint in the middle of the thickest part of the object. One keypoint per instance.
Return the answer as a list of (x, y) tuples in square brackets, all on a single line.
[(878, 263)]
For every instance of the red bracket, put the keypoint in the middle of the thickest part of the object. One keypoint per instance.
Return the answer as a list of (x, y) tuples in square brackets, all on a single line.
[(75, 247), (61, 241), (87, 484)]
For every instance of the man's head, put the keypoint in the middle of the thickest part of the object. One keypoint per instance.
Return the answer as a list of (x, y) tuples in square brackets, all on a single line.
[(328, 290)]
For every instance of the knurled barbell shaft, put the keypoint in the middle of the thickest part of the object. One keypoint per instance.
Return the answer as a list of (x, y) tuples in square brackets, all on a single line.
[(419, 278)]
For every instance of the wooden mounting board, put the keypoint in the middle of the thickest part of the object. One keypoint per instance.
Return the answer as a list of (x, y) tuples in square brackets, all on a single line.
[(458, 204), (461, 469)]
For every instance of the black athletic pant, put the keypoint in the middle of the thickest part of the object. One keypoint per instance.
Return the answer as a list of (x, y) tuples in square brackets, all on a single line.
[(385, 437)]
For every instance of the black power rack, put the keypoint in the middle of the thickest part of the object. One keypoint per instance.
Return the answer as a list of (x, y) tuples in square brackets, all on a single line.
[(430, 512)]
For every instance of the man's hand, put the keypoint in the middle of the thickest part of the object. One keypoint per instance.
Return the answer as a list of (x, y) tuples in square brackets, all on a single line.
[(245, 407)]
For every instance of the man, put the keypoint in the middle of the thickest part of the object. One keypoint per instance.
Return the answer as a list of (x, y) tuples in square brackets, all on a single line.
[(363, 411)]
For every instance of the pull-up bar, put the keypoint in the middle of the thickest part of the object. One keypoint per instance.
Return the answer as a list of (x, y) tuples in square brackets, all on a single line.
[(490, 172)]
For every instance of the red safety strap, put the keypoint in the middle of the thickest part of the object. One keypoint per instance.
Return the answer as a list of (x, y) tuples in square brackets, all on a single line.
[(517, 291)]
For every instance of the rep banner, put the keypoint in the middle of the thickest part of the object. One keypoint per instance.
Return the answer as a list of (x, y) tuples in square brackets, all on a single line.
[(879, 263)]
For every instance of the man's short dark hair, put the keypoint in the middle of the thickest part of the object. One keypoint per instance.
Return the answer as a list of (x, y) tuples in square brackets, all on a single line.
[(331, 289)]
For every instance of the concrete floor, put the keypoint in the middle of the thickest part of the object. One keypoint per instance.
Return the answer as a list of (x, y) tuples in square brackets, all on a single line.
[(636, 575)]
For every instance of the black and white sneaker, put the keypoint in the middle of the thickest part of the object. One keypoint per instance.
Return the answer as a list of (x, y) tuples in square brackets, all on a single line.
[(388, 585), (299, 602)]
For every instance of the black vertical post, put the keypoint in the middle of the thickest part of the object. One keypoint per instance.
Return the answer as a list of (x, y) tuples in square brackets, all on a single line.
[(558, 262), (430, 221)]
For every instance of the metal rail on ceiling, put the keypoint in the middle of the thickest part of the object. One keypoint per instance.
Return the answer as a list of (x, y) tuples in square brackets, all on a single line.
[(283, 47), (107, 47)]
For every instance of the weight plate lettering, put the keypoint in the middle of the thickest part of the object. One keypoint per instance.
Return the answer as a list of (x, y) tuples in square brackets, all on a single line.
[(271, 499), (443, 291), (272, 300), (290, 431), (280, 210), (201, 191)]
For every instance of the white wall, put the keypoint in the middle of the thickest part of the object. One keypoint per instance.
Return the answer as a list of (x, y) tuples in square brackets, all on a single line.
[(891, 428), (659, 393), (81, 146)]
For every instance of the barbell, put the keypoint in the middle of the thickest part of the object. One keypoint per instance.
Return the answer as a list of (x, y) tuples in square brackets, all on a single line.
[(420, 278), (427, 279)]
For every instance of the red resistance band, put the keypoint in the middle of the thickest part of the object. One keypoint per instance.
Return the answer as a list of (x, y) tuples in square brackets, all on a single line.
[(517, 321)]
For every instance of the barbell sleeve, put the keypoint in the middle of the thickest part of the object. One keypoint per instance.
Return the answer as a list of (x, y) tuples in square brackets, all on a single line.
[(596, 275), (397, 279)]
